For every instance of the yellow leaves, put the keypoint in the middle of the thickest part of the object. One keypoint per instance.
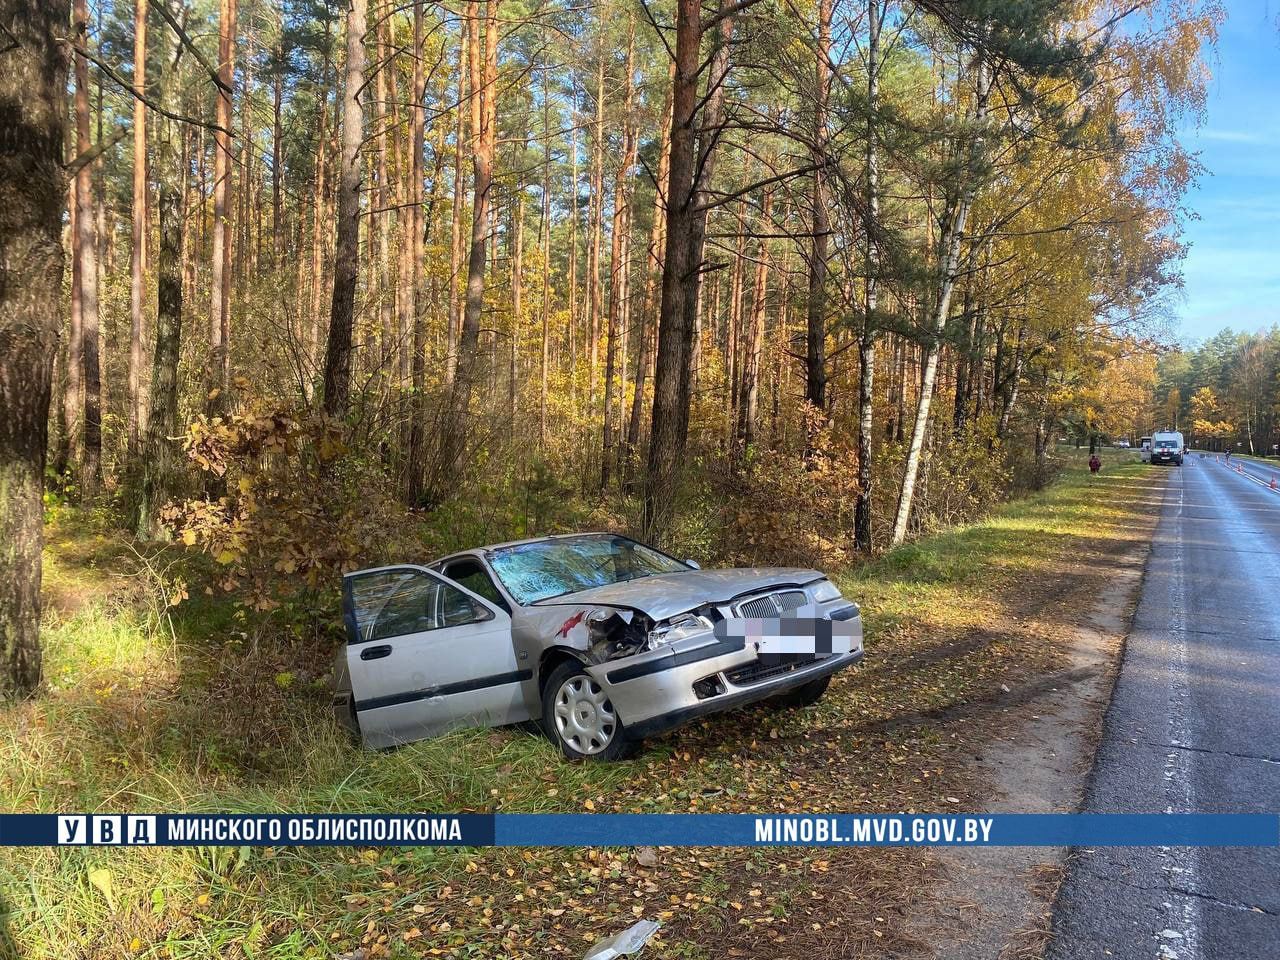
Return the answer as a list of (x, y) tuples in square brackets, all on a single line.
[(100, 879), (589, 804)]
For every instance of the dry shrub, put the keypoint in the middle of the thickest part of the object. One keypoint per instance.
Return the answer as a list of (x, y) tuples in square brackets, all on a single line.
[(792, 510), (967, 477), (295, 505)]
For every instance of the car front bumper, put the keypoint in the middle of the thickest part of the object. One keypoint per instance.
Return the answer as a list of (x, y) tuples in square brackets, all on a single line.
[(658, 691)]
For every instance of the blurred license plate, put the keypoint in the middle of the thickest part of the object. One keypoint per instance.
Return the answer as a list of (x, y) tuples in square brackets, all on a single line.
[(793, 638)]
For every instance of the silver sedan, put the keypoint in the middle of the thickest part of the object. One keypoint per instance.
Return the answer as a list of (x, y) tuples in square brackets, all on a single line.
[(601, 639)]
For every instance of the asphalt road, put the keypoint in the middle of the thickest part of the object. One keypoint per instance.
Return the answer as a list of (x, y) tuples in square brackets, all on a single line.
[(1193, 726)]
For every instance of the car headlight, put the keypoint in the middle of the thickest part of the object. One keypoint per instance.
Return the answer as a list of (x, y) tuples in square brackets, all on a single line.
[(825, 590), (677, 628)]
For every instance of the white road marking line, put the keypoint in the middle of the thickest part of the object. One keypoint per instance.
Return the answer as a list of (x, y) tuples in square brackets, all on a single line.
[(1179, 784)]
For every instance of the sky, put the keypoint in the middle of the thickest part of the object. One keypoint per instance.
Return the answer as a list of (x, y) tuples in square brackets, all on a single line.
[(1233, 267)]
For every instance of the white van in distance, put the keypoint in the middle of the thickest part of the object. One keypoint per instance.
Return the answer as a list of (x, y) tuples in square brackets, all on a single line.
[(1167, 447)]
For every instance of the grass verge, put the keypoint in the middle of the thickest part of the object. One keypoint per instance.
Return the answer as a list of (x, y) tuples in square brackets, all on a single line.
[(147, 714)]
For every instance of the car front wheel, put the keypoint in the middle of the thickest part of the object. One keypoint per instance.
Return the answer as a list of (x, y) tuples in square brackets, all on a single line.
[(578, 716)]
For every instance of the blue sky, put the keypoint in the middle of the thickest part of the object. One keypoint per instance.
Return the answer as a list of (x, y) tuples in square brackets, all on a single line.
[(1233, 267)]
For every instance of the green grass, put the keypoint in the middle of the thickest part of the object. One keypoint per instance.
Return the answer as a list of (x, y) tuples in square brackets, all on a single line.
[(144, 713)]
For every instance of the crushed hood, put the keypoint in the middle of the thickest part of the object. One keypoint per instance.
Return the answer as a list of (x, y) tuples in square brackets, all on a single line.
[(668, 594)]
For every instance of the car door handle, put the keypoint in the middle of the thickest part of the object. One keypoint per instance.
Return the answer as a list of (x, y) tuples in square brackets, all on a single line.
[(376, 653)]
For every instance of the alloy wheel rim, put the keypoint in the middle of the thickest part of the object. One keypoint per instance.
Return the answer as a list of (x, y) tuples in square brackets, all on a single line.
[(584, 716)]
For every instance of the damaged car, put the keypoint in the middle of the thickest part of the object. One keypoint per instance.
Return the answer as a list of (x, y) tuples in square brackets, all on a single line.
[(601, 639)]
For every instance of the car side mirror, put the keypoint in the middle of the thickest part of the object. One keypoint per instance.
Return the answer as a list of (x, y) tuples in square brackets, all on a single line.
[(694, 564)]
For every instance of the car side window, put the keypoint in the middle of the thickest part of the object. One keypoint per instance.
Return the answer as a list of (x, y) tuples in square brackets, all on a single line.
[(472, 575), (396, 603)]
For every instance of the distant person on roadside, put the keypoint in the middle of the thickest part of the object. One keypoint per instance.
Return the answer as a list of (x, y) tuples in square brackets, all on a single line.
[(1095, 463), (1228, 460)]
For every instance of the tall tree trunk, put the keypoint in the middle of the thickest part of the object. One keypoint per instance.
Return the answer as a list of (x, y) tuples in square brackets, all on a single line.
[(138, 251), (386, 286), (686, 225), (572, 326), (748, 419), (544, 238), (73, 385), (653, 271), (318, 231), (219, 280), (159, 457), (86, 250), (1009, 394), (33, 196), (277, 160), (618, 268), (413, 247), (455, 226), (517, 301), (337, 363), (484, 82), (949, 266), (862, 534), (595, 226), (815, 392), (732, 335), (964, 363)]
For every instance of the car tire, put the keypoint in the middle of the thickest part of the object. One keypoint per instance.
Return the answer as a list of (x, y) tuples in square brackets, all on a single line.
[(580, 720), (805, 695)]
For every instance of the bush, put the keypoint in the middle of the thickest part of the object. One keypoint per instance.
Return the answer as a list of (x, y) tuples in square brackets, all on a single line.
[(294, 506)]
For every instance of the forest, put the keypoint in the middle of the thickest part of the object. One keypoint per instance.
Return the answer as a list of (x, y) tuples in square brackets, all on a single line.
[(758, 280), (1224, 394)]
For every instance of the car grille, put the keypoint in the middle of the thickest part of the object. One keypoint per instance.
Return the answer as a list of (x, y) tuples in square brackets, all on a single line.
[(772, 604), (760, 671)]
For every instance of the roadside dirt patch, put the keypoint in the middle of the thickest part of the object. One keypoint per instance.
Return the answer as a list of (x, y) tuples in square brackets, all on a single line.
[(994, 903)]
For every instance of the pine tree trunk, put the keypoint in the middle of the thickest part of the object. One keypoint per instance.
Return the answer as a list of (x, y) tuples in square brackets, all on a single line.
[(277, 162), (544, 238), (748, 420), (337, 364), (219, 281), (456, 234), (862, 534), (317, 239), (160, 454), (686, 226), (73, 359), (670, 421), (484, 80), (412, 244), (86, 252), (595, 227), (517, 304), (733, 370), (386, 285), (33, 195), (618, 272), (138, 251), (653, 271), (815, 392)]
